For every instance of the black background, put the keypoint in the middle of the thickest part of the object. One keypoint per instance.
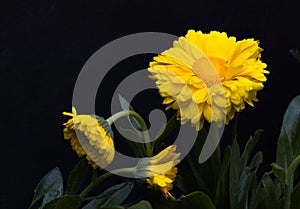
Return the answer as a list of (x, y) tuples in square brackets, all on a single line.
[(44, 44)]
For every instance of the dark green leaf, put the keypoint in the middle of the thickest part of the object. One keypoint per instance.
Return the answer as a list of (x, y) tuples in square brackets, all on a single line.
[(296, 197), (271, 193), (197, 200), (132, 137), (160, 202), (296, 54), (36, 204), (126, 106), (254, 195), (165, 131), (200, 140), (291, 124), (48, 189), (255, 162), (185, 182), (141, 205), (277, 189), (246, 180), (115, 195), (209, 171), (234, 175), (284, 150), (193, 200), (249, 148), (72, 202), (115, 207), (200, 179), (222, 194), (52, 204), (225, 163), (245, 183), (76, 177), (279, 172)]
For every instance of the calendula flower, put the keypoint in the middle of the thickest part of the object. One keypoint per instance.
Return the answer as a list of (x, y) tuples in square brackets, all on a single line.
[(90, 136), (209, 76), (164, 182), (160, 170)]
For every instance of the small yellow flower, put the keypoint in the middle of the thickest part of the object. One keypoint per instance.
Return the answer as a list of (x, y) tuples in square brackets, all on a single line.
[(160, 170), (164, 182), (90, 136), (200, 68)]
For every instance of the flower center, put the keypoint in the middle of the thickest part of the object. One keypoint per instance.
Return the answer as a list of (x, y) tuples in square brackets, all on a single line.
[(220, 65), (210, 70)]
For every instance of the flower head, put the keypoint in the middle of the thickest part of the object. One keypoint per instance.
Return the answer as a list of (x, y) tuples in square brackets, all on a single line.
[(164, 182), (90, 136), (209, 76), (160, 170)]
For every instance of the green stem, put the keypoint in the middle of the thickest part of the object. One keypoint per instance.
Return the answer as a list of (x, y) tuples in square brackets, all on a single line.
[(164, 131), (289, 183), (94, 183), (235, 126), (287, 196), (103, 177), (197, 176), (293, 168), (141, 121)]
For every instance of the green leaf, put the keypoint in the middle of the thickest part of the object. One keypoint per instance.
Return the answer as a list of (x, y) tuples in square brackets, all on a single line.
[(52, 204), (200, 140), (185, 182), (206, 173), (255, 195), (296, 54), (242, 174), (193, 200), (209, 171), (115, 195), (64, 202), (196, 200), (249, 148), (76, 177), (222, 194), (165, 131), (160, 202), (234, 175), (48, 189), (279, 172), (296, 197), (138, 148), (141, 205), (126, 106), (291, 124), (246, 180), (115, 207), (244, 187), (255, 162), (225, 163), (284, 155), (271, 192)]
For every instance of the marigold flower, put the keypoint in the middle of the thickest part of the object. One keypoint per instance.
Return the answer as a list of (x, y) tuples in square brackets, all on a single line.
[(188, 85), (164, 182), (90, 136), (160, 170)]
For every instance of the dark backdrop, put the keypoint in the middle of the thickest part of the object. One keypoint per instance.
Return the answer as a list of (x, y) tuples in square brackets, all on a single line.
[(44, 44)]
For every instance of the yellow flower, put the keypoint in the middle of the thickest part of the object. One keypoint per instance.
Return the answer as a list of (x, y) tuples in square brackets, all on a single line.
[(209, 76), (90, 136), (163, 182), (160, 170)]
